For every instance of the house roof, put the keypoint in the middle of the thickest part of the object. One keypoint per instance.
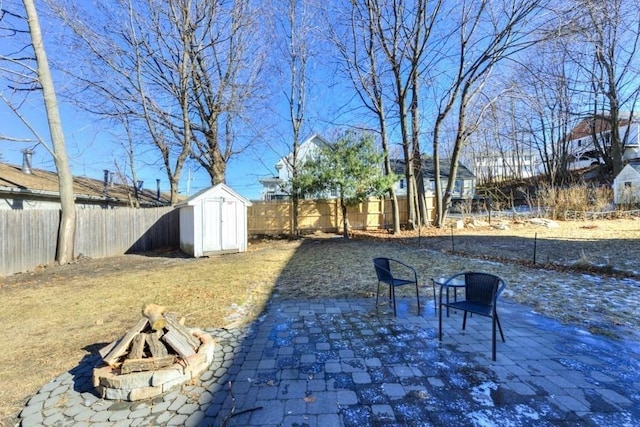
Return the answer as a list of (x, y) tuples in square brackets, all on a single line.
[(635, 166), (598, 124), (44, 184), (303, 150), (428, 168)]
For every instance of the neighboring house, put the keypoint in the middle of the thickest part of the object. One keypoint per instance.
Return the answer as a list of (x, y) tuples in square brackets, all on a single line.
[(28, 188), (465, 185), (584, 152), (500, 166), (626, 186), (277, 187)]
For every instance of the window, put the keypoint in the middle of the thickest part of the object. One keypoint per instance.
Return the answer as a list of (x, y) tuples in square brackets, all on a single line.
[(458, 187), (402, 183), (627, 184)]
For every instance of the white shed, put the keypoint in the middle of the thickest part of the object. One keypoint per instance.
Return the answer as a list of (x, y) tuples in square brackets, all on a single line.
[(213, 221), (626, 186)]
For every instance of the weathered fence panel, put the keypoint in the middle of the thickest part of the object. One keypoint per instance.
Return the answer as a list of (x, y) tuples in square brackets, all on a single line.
[(28, 238), (111, 232)]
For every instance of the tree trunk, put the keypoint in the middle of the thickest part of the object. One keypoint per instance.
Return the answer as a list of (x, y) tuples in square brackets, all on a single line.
[(67, 231), (345, 220)]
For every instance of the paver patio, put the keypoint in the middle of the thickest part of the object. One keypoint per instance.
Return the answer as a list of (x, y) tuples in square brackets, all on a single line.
[(348, 363)]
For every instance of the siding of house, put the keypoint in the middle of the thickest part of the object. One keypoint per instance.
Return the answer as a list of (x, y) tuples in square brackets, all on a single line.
[(626, 186)]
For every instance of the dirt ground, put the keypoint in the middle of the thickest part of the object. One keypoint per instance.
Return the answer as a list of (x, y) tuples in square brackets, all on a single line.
[(54, 315)]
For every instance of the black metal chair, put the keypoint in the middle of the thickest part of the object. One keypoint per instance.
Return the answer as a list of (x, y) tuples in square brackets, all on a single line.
[(395, 273), (481, 291)]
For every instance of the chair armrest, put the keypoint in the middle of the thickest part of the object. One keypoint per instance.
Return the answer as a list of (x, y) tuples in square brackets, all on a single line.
[(408, 267)]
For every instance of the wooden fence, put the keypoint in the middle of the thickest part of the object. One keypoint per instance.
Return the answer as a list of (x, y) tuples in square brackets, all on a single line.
[(28, 237), (275, 217)]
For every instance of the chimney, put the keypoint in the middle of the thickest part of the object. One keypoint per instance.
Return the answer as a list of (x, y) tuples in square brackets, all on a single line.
[(158, 191), (26, 161), (105, 181)]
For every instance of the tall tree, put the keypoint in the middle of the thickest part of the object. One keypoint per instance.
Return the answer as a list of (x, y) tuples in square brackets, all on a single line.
[(357, 45), (485, 34), (295, 33), (403, 30), (396, 35), (66, 232), (351, 167), (182, 71), (603, 40)]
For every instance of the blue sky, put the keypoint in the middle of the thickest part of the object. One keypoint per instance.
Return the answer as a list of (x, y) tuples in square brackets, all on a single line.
[(92, 147)]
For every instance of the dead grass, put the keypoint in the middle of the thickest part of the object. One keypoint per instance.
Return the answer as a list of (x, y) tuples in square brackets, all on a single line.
[(54, 317), (51, 320)]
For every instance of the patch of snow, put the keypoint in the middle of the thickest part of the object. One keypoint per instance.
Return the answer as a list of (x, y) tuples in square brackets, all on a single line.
[(482, 393)]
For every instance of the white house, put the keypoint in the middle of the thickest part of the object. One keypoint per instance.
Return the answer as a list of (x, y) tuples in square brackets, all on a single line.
[(499, 166), (277, 187), (626, 186), (583, 150), (213, 221)]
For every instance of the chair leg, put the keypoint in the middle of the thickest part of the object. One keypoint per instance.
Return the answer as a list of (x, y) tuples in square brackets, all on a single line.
[(377, 294), (499, 327), (393, 298), (418, 298), (440, 319), (435, 304), (464, 321), (493, 339)]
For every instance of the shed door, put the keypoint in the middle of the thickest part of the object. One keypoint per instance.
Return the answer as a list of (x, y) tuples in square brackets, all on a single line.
[(211, 220), (230, 225), (219, 225)]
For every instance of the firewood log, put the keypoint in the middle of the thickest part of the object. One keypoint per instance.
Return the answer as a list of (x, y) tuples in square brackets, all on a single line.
[(154, 312)]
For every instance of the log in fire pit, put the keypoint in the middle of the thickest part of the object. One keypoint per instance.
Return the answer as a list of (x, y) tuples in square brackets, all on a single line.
[(154, 356)]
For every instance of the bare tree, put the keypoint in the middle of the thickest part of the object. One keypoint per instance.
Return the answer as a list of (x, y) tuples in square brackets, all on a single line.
[(66, 232), (181, 71), (294, 36), (487, 32), (27, 71), (357, 47), (395, 35), (604, 44)]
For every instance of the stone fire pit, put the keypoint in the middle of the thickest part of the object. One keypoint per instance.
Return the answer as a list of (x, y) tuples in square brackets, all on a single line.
[(156, 355)]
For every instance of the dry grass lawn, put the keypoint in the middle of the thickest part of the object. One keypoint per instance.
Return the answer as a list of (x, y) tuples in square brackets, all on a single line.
[(53, 317)]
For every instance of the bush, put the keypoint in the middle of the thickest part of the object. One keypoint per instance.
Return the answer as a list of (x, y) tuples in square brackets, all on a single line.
[(580, 198)]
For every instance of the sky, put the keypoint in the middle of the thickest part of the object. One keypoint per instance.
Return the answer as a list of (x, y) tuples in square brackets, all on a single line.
[(92, 148), (91, 151)]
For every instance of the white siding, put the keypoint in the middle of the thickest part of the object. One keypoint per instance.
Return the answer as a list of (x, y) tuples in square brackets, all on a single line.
[(626, 186)]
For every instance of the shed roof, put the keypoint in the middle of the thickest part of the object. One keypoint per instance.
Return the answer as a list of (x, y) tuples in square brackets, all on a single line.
[(212, 191)]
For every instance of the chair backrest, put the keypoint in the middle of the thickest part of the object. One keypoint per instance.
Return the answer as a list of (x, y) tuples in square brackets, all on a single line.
[(383, 269), (482, 288)]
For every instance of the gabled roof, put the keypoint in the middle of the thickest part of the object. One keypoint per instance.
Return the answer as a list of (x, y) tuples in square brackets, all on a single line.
[(635, 166), (216, 190), (428, 168), (44, 184), (305, 147), (599, 124)]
